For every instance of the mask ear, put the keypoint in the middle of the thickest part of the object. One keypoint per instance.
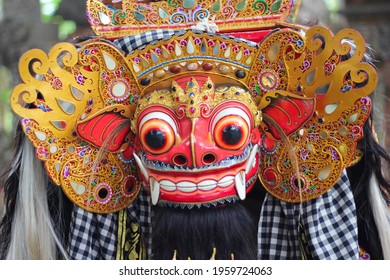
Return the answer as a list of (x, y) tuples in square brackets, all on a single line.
[(285, 111), (110, 126), (74, 101)]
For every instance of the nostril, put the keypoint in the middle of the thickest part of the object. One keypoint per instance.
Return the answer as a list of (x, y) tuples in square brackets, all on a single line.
[(209, 158), (179, 160)]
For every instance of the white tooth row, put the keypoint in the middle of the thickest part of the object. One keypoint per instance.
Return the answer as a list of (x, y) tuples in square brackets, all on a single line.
[(205, 185), (188, 187)]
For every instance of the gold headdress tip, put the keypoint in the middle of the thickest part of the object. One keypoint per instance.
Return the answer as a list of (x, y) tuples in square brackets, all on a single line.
[(175, 88), (177, 92), (192, 86), (208, 85), (174, 84), (130, 17)]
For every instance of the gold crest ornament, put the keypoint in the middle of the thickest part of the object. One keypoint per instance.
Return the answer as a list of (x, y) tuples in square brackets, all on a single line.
[(131, 17), (306, 87)]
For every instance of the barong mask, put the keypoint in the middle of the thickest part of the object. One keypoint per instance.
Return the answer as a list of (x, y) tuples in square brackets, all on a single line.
[(196, 117)]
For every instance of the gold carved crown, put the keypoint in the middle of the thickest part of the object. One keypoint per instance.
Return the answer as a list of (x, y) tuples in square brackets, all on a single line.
[(113, 19), (193, 96)]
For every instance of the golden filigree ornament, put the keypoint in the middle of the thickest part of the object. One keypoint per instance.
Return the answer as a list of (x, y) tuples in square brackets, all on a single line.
[(130, 17), (325, 67), (60, 91), (303, 90)]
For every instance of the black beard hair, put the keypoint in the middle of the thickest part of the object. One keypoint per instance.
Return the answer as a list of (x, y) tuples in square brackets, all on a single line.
[(193, 234)]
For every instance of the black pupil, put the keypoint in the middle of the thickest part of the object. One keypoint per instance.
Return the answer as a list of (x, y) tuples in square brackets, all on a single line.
[(231, 134), (155, 139)]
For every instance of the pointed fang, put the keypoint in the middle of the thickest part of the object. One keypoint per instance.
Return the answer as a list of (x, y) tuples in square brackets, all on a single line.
[(154, 190), (240, 185), (251, 159), (141, 166)]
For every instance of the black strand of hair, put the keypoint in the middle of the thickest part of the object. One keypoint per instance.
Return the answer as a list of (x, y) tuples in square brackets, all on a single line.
[(194, 234), (359, 174)]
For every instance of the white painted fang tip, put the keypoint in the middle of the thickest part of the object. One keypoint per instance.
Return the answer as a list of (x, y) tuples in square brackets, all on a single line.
[(240, 183), (251, 159), (154, 190), (141, 166)]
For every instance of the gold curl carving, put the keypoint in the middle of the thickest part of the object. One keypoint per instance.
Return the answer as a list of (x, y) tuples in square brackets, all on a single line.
[(47, 87), (332, 69)]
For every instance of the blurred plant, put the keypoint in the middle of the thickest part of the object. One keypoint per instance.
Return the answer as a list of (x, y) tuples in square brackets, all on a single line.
[(6, 119), (6, 123), (48, 10), (334, 7)]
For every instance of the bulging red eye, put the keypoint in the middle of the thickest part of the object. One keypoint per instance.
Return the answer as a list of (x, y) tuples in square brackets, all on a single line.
[(231, 132), (157, 136)]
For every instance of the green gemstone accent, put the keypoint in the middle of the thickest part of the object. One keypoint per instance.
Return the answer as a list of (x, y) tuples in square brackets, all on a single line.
[(203, 47), (216, 49), (216, 7), (187, 4), (276, 6), (240, 6), (138, 16), (258, 90), (162, 13), (154, 58)]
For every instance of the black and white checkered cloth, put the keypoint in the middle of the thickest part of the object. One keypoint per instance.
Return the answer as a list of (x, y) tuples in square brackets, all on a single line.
[(329, 222), (129, 44), (94, 236)]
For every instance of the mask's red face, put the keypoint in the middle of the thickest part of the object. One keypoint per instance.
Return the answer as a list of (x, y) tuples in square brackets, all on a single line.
[(197, 144)]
